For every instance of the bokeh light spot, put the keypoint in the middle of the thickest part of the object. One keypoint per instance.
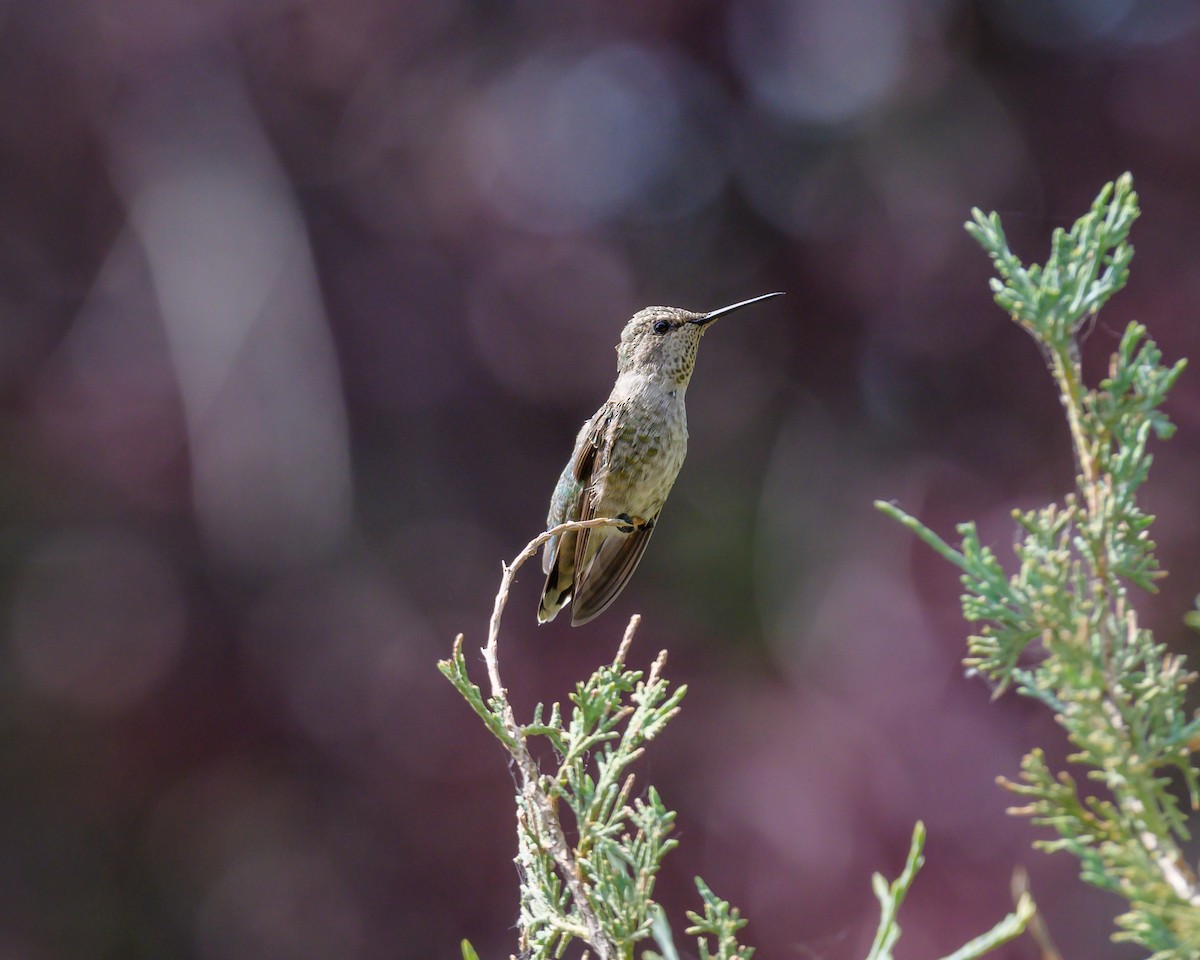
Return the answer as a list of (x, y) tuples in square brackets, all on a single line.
[(288, 904), (562, 144), (545, 316), (97, 618), (819, 61)]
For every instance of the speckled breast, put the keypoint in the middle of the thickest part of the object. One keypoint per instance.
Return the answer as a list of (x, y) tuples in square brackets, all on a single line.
[(648, 450)]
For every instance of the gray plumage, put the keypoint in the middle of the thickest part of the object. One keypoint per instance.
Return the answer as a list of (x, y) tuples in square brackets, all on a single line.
[(625, 461)]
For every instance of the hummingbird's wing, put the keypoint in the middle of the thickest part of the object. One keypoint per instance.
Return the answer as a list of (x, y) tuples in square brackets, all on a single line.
[(569, 500), (588, 568), (599, 583), (602, 569)]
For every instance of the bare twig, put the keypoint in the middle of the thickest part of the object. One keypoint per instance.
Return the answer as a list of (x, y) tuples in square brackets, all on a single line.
[(1036, 927), (506, 582), (531, 785)]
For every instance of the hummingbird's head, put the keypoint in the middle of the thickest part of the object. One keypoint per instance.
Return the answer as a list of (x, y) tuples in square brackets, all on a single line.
[(662, 341)]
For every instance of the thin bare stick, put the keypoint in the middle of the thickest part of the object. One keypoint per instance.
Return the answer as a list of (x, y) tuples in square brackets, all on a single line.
[(506, 582), (531, 787)]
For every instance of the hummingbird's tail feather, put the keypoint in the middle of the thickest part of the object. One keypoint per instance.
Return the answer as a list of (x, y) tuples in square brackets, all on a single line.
[(555, 596), (604, 577), (559, 565)]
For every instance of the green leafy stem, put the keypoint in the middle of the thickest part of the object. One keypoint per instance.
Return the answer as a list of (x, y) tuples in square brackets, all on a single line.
[(599, 888), (1063, 628)]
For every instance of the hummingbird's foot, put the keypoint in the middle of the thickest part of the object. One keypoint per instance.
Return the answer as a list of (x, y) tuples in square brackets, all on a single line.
[(634, 523)]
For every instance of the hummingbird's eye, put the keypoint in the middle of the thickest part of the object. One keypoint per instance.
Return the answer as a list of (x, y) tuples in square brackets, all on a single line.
[(662, 326)]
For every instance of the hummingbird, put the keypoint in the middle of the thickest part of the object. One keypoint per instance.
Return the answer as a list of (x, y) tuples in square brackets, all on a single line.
[(625, 462)]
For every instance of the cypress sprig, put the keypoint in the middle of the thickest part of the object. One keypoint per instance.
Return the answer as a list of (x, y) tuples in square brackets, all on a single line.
[(589, 845), (1118, 694)]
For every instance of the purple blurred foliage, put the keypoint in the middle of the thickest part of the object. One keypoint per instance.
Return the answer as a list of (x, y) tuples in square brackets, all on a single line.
[(303, 302)]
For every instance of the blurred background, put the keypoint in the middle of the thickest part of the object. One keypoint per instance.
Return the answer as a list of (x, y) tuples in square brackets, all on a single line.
[(302, 303)]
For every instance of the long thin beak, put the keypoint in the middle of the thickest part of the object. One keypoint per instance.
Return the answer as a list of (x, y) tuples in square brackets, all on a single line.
[(707, 318)]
